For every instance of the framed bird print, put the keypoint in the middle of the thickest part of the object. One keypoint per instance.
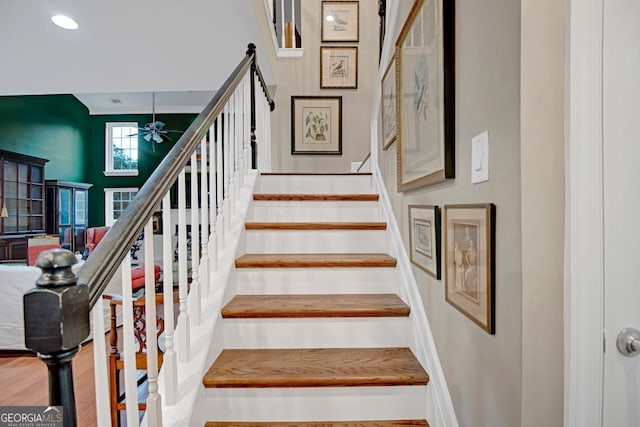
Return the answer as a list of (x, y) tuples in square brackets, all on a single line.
[(338, 67), (340, 21)]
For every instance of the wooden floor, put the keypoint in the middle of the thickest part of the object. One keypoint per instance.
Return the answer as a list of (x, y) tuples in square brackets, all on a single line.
[(24, 382)]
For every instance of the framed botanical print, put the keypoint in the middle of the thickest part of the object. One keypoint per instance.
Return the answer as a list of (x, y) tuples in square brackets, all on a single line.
[(470, 261), (425, 95), (388, 106), (424, 238), (338, 67), (316, 125), (340, 21)]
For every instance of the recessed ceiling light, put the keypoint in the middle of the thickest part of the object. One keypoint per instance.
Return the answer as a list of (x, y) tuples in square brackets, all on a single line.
[(65, 22), (329, 18)]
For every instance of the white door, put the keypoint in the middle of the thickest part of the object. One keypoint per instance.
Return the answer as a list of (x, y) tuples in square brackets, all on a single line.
[(621, 168)]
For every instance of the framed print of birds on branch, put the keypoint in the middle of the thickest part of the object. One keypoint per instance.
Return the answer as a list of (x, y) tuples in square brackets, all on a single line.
[(425, 95), (338, 67)]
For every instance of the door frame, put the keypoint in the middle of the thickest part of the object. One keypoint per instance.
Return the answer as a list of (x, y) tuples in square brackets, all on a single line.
[(584, 212)]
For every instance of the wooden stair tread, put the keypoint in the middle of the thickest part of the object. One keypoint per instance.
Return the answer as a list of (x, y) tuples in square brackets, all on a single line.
[(316, 225), (326, 367), (315, 173), (313, 260), (318, 197), (390, 423), (298, 306)]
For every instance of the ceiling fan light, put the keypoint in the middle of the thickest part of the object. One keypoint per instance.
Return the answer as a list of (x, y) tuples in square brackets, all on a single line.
[(65, 22)]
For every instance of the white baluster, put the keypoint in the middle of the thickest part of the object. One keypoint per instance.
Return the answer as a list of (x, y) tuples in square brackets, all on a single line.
[(293, 24), (228, 176), (247, 122), (204, 219), (196, 308), (169, 364), (103, 415), (213, 239), (128, 339), (239, 135), (232, 159), (282, 26), (154, 400), (236, 150), (220, 184), (184, 341)]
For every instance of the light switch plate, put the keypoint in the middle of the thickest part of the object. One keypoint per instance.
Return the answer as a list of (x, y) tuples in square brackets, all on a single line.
[(480, 158)]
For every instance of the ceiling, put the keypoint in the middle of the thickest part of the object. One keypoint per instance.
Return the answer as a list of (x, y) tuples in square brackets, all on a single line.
[(124, 50)]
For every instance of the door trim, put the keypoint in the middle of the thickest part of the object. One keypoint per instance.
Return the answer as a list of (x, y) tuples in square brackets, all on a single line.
[(584, 210)]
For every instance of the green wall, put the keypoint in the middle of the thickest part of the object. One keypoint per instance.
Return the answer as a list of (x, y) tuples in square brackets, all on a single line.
[(149, 156), (48, 126)]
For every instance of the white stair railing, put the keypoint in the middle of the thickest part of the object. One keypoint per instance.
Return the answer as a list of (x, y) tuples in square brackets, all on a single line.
[(285, 26)]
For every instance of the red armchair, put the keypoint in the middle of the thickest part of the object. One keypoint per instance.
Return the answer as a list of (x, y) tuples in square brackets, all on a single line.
[(95, 235)]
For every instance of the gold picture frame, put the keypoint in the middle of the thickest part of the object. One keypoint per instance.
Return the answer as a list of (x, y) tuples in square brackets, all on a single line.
[(425, 95), (388, 105), (338, 67), (316, 125), (469, 242), (424, 238), (340, 21)]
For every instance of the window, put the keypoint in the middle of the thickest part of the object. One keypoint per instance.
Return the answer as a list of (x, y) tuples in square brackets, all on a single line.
[(116, 201), (121, 149)]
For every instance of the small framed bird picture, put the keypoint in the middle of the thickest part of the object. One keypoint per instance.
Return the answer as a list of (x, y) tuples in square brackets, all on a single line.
[(338, 67)]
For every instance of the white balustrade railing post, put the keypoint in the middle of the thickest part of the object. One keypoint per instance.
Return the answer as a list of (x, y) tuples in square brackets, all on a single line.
[(184, 341), (128, 338), (204, 218), (195, 290), (228, 175), (169, 364), (247, 122), (220, 183), (240, 136), (282, 26), (100, 366), (293, 24), (236, 148), (154, 400), (213, 237), (232, 159)]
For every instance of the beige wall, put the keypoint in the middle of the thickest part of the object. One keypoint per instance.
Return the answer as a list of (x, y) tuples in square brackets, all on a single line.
[(542, 159), (302, 77), (483, 371)]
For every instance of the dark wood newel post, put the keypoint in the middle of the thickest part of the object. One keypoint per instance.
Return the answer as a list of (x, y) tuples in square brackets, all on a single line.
[(254, 155), (56, 321)]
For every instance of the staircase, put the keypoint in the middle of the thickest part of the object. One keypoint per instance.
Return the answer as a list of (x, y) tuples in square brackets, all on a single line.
[(314, 330)]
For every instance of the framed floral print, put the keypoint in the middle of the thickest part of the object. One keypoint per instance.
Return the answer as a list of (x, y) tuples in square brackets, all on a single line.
[(388, 106), (338, 67), (424, 238), (316, 125), (340, 21), (425, 95), (470, 262)]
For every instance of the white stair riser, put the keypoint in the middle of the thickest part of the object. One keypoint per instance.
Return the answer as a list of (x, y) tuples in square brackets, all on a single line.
[(313, 404), (276, 281), (316, 211), (317, 333), (312, 184), (321, 241)]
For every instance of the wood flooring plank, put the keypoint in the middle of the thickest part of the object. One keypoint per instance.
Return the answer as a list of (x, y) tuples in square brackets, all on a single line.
[(315, 260), (315, 226), (326, 367), (318, 197), (390, 423), (307, 306)]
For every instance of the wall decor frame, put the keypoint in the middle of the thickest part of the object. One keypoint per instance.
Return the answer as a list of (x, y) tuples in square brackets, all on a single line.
[(424, 238), (470, 261), (425, 95), (316, 125), (340, 21), (338, 67), (388, 107)]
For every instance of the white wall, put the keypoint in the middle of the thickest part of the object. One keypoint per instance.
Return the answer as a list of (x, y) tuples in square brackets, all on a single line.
[(542, 158), (302, 77), (483, 371), (124, 46)]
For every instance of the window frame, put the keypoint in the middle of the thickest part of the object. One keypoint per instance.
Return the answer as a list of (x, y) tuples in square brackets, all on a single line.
[(108, 150), (108, 202)]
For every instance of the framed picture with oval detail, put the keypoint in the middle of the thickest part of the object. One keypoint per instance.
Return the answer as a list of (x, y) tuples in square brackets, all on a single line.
[(424, 238), (425, 95), (316, 125), (469, 253)]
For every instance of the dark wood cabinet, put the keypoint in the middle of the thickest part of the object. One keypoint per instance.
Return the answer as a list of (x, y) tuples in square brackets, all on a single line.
[(22, 203), (68, 212)]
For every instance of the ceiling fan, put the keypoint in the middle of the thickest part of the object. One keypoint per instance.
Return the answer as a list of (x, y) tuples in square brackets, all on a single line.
[(155, 129)]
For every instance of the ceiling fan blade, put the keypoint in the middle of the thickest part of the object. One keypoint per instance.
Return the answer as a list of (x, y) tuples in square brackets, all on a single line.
[(147, 137), (157, 138)]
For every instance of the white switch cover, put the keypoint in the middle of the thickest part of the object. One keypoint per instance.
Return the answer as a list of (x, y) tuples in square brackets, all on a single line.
[(480, 158)]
